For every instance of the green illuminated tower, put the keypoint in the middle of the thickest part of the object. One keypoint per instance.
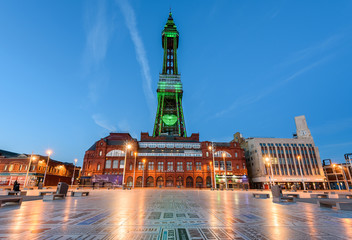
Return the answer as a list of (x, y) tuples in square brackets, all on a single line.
[(169, 118)]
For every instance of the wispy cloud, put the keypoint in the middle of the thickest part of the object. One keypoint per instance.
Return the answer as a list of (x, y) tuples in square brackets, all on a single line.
[(313, 50), (141, 55), (98, 34), (102, 122), (267, 91)]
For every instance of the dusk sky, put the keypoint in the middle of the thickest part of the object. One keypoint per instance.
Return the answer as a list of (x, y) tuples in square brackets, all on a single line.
[(71, 72)]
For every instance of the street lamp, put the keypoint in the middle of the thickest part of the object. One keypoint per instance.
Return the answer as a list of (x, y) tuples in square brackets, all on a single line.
[(213, 151), (29, 166), (211, 174), (74, 169), (134, 168), (143, 173), (301, 170), (338, 182), (128, 146), (271, 170), (49, 152), (223, 156)]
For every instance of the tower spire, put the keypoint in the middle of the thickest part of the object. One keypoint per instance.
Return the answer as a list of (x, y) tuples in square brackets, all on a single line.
[(169, 118), (169, 38)]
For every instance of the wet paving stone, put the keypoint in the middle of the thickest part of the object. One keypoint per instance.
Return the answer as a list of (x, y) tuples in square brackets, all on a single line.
[(171, 215)]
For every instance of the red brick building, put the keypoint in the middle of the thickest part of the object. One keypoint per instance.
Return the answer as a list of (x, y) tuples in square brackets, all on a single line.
[(14, 166), (165, 161)]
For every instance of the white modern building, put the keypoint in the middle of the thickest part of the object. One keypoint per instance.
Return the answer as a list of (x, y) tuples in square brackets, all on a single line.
[(285, 161)]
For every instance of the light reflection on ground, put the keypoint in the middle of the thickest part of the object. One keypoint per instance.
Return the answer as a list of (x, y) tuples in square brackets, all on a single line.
[(172, 214)]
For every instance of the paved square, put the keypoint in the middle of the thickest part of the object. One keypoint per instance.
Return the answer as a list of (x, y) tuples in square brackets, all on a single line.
[(171, 214)]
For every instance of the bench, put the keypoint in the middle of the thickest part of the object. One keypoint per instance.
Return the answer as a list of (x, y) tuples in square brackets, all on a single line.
[(333, 204), (294, 195), (17, 200), (344, 206), (348, 196), (53, 197), (284, 199), (45, 193), (319, 196), (22, 193), (261, 195), (79, 194)]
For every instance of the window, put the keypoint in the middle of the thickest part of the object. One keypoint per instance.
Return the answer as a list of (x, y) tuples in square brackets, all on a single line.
[(11, 168), (198, 166), (140, 165), (238, 166), (170, 166), (222, 167), (244, 166), (115, 164), (236, 154), (160, 166), (151, 166), (179, 166), (207, 153), (98, 168), (20, 167), (108, 164), (33, 168), (5, 168), (131, 166), (208, 167), (229, 165), (189, 166), (100, 153), (122, 163), (217, 165)]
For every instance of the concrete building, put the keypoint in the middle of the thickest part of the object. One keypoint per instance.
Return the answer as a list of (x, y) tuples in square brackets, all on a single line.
[(285, 161), (339, 175)]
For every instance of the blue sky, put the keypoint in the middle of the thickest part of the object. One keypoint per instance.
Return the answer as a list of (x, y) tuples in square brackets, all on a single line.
[(73, 71)]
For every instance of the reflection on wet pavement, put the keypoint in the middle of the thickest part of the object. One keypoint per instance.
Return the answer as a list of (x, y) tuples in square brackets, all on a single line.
[(171, 214)]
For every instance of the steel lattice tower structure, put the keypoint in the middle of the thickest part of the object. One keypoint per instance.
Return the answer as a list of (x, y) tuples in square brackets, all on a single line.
[(169, 118)]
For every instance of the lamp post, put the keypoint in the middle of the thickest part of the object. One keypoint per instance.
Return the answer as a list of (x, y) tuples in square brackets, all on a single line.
[(337, 179), (128, 146), (29, 166), (268, 160), (143, 173), (344, 176), (49, 152), (301, 170), (134, 168), (223, 156), (211, 174), (73, 176), (213, 151)]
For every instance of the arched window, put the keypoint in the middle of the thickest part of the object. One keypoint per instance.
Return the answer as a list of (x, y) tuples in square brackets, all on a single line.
[(98, 168), (220, 154), (100, 153), (199, 182), (189, 182), (150, 182), (115, 153), (129, 181)]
